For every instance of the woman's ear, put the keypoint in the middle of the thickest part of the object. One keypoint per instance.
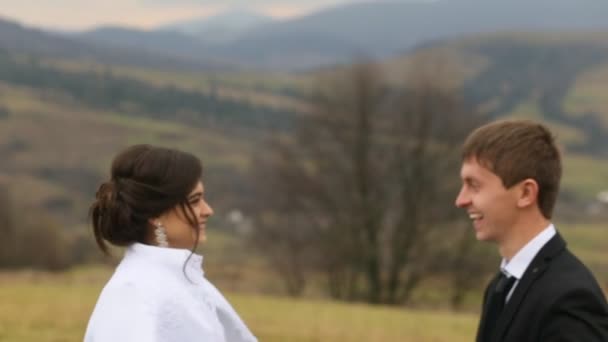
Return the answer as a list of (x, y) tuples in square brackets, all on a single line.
[(160, 219), (155, 221), (528, 194)]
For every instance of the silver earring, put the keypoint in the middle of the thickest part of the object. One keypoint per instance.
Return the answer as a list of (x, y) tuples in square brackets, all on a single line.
[(161, 235)]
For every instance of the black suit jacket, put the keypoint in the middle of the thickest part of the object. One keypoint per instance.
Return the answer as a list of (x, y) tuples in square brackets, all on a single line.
[(556, 299)]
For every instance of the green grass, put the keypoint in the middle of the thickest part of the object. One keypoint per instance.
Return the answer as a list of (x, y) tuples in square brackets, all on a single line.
[(69, 135), (54, 308), (585, 176), (448, 65), (588, 94), (566, 135), (57, 133), (588, 242), (255, 87)]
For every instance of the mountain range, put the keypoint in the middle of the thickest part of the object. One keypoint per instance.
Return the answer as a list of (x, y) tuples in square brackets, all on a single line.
[(242, 39), (375, 29), (220, 28)]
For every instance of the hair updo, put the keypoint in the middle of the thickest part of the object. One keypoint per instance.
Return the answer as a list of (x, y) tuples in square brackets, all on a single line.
[(146, 181)]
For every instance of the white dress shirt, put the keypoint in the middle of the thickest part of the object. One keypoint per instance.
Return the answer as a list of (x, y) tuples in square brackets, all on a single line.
[(150, 299), (520, 262)]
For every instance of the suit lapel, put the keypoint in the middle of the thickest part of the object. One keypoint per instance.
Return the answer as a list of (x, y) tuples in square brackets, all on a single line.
[(537, 267)]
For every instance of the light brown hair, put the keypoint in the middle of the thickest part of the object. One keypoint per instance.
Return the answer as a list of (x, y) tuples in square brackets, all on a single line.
[(516, 150)]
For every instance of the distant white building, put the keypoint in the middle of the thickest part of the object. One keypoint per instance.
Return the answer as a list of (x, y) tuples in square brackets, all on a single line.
[(603, 196), (235, 216), (242, 224)]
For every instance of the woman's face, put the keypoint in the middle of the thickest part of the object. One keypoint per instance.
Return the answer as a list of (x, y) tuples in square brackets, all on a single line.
[(179, 230)]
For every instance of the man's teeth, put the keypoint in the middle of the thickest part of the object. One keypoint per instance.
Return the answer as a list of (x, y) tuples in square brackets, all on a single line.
[(475, 216)]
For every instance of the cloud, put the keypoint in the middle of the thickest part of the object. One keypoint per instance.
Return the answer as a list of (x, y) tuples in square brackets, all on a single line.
[(86, 14), (244, 3), (275, 8)]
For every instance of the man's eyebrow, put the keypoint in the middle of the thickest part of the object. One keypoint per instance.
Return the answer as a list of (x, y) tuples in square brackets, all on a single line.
[(469, 179)]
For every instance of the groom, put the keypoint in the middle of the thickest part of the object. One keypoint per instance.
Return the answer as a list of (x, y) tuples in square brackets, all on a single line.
[(510, 175)]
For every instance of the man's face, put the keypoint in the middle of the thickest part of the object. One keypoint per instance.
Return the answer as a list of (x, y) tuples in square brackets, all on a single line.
[(491, 207)]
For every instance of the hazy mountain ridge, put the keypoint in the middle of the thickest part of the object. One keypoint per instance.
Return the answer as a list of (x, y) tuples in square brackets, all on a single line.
[(380, 29), (323, 38), (220, 28), (31, 41)]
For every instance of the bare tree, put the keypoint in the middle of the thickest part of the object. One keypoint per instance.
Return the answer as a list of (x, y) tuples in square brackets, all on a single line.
[(7, 229), (30, 241), (471, 262), (370, 172), (432, 120)]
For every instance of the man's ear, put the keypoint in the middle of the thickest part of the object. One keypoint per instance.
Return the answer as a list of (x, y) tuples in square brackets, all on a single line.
[(528, 193)]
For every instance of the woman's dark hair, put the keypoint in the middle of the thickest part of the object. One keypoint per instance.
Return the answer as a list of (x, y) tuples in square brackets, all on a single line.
[(145, 182)]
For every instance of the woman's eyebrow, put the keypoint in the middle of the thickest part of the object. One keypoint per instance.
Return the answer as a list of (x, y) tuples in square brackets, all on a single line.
[(196, 194)]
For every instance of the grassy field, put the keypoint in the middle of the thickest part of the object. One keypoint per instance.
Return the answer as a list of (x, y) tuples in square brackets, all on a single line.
[(588, 94), (588, 242), (584, 176), (47, 307), (69, 136), (255, 87), (54, 133), (55, 308)]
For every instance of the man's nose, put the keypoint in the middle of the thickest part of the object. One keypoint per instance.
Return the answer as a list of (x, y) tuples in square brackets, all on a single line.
[(462, 200)]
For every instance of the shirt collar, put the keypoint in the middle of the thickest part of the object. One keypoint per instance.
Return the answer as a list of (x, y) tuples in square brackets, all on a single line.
[(520, 262), (173, 258)]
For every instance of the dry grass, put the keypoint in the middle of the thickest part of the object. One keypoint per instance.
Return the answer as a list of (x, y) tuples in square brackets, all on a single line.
[(55, 308)]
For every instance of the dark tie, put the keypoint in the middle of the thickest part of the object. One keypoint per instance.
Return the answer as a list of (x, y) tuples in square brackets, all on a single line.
[(496, 303)]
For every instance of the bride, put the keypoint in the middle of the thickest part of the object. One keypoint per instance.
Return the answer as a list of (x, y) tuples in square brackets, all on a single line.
[(154, 205)]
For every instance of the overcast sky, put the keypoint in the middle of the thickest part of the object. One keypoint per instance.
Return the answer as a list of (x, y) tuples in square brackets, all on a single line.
[(84, 14)]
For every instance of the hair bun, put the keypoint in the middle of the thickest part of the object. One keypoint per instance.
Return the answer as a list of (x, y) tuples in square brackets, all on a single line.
[(106, 194), (145, 182), (106, 189)]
